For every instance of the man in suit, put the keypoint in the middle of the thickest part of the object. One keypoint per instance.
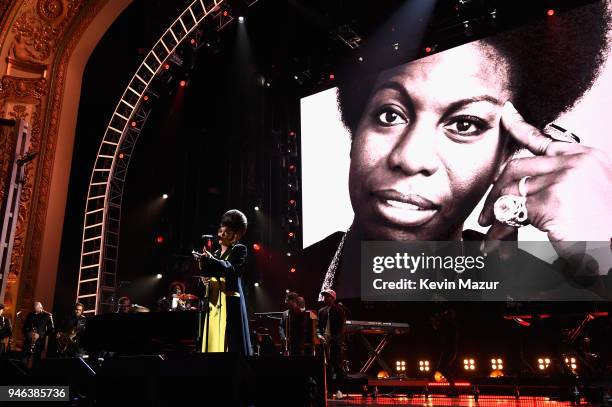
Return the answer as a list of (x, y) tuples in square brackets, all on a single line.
[(37, 326), (6, 330)]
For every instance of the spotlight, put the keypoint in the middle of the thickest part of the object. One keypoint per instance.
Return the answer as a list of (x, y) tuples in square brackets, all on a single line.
[(497, 364), (292, 168), (159, 276), (292, 270), (256, 284), (145, 98), (288, 254), (543, 363), (159, 239), (192, 41), (183, 83), (295, 77), (292, 133), (256, 247), (165, 196), (290, 221), (256, 208), (166, 66), (469, 364), (400, 366), (571, 363), (360, 59), (291, 235), (424, 365), (292, 202), (550, 12), (428, 50), (396, 46), (332, 76), (241, 19), (121, 156), (133, 124)]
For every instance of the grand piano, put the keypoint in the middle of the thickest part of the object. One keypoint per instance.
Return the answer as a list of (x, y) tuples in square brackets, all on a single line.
[(141, 333)]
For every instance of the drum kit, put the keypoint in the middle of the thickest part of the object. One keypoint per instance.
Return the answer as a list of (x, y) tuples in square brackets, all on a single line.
[(180, 302)]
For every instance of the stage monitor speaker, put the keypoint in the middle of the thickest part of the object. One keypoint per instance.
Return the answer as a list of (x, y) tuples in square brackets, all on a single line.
[(288, 381)]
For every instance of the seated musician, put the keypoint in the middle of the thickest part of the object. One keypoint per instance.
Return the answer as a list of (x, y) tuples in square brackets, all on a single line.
[(173, 302), (124, 305), (226, 327), (70, 333), (332, 330), (6, 330)]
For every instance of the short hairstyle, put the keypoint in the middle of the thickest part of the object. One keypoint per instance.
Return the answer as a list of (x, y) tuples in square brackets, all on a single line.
[(552, 63), (291, 296), (235, 220), (78, 304)]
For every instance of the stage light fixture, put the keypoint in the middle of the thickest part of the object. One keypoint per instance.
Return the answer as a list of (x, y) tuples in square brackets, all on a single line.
[(121, 156), (332, 76), (571, 363), (295, 77), (469, 364), (428, 50), (497, 364), (396, 46), (192, 41), (292, 133), (166, 66), (543, 363), (133, 124), (550, 12), (256, 208), (256, 247), (292, 202), (424, 365), (241, 19), (159, 276), (288, 254), (159, 239), (183, 83), (292, 270), (400, 366), (145, 98), (292, 167), (360, 59), (256, 284), (165, 196), (291, 235)]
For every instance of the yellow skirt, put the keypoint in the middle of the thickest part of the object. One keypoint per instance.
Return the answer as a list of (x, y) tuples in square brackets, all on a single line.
[(216, 321)]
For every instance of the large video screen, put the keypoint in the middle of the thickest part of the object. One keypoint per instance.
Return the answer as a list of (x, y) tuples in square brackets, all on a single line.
[(326, 142), (495, 153)]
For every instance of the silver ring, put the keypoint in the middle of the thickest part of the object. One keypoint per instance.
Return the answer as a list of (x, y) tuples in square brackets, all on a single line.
[(558, 133), (522, 187), (511, 210)]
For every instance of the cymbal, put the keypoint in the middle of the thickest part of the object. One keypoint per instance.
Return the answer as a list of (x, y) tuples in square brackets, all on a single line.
[(188, 297)]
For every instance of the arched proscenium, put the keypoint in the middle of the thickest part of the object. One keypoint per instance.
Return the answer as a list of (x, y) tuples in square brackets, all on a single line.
[(99, 248)]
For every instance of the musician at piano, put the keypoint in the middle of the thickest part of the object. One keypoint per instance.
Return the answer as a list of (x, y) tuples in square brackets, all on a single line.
[(226, 326), (6, 330), (37, 327), (70, 331), (124, 305), (428, 140), (332, 332)]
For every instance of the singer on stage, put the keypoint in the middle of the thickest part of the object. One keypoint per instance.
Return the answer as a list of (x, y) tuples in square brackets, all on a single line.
[(226, 327)]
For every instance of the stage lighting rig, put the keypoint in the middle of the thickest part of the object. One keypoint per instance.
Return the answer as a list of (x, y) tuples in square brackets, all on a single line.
[(348, 36)]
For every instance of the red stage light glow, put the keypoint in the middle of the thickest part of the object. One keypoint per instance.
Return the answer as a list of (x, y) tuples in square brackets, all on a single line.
[(292, 270), (292, 133), (550, 12), (159, 239), (166, 66), (428, 49), (332, 76), (292, 202), (292, 168), (121, 156), (133, 124), (256, 247), (145, 98), (291, 235), (192, 41), (225, 13), (183, 83)]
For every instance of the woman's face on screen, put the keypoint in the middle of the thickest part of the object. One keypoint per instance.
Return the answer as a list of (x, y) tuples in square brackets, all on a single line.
[(428, 144)]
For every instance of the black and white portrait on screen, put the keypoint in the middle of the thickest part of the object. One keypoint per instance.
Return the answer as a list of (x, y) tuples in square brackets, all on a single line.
[(423, 150)]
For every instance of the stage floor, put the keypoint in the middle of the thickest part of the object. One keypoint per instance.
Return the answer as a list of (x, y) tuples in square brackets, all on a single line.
[(462, 401)]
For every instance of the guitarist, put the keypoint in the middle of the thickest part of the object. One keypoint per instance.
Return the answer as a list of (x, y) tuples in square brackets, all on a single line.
[(71, 332)]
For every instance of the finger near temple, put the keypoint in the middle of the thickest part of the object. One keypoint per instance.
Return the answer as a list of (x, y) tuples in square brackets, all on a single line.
[(533, 185), (531, 137)]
